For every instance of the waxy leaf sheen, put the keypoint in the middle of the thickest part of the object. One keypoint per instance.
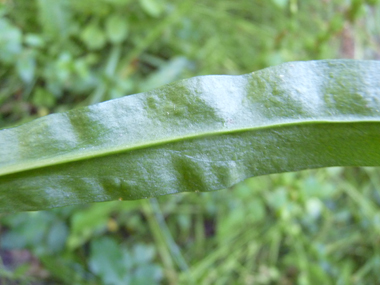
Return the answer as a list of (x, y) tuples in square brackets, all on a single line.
[(199, 134)]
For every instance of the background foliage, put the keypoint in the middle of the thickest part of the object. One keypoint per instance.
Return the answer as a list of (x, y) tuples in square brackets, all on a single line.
[(303, 228)]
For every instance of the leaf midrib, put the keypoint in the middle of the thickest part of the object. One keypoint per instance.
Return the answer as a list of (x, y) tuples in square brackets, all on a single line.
[(62, 159)]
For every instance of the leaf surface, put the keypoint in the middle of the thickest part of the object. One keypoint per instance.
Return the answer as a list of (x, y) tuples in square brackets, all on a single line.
[(199, 134)]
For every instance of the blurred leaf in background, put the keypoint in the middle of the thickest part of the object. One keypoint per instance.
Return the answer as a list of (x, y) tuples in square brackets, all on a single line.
[(296, 228)]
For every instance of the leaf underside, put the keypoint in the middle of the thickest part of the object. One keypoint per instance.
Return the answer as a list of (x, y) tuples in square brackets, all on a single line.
[(199, 134)]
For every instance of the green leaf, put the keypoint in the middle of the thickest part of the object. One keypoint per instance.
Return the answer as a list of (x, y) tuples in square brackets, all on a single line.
[(93, 36), (280, 3), (54, 18), (34, 40), (199, 134), (43, 98), (10, 41), (26, 66), (153, 8), (116, 29), (105, 261)]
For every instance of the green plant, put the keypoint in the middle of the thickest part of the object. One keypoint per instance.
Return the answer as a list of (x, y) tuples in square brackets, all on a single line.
[(309, 227), (198, 134)]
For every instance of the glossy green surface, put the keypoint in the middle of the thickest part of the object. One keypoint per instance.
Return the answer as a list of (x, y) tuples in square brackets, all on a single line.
[(199, 134)]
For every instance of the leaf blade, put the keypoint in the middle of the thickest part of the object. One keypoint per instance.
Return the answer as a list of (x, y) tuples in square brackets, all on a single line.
[(203, 133)]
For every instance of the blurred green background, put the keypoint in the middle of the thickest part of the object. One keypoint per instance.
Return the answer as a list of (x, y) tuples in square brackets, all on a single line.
[(310, 227)]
